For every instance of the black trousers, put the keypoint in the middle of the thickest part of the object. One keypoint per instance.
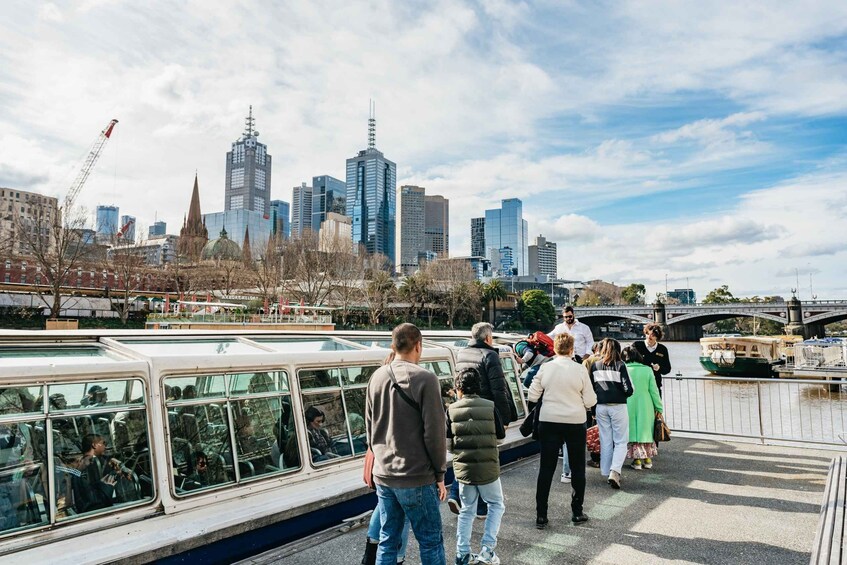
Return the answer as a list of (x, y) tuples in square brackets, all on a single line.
[(552, 435)]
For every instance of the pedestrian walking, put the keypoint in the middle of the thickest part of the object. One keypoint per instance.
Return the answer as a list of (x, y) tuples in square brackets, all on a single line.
[(641, 407), (654, 353), (406, 430), (473, 428), (613, 387), (567, 394)]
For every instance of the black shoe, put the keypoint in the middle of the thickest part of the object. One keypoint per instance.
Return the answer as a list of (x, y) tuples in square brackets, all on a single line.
[(578, 519), (541, 523)]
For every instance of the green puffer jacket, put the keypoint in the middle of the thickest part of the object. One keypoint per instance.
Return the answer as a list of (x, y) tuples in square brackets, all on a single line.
[(473, 428)]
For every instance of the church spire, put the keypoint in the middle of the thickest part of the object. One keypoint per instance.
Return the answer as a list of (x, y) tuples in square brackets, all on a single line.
[(194, 216), (245, 247)]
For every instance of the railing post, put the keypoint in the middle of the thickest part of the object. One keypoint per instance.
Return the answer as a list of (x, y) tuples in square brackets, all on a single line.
[(761, 419)]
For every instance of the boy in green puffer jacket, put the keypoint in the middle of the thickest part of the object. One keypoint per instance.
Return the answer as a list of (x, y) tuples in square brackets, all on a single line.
[(473, 428)]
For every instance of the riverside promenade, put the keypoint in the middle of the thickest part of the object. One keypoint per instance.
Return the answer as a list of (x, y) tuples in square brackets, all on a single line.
[(705, 501)]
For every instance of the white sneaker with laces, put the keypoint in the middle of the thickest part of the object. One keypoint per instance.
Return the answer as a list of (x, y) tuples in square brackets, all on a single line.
[(487, 556), (566, 477)]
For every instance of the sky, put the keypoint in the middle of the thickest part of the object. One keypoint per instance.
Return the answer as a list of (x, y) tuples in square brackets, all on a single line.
[(687, 144)]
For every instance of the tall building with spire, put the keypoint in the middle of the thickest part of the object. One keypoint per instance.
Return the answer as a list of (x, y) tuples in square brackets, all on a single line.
[(248, 172), (193, 235), (372, 197)]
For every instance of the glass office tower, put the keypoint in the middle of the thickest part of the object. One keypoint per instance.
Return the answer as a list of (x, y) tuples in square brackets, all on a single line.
[(372, 201), (507, 238), (329, 195)]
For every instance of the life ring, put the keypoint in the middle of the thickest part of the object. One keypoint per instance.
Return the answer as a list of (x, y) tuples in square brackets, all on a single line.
[(723, 357)]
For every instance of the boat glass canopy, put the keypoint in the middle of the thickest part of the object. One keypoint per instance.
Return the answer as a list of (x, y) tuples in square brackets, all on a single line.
[(182, 347), (40, 355)]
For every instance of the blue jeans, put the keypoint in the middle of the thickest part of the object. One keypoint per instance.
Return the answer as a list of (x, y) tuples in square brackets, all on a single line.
[(375, 527), (420, 506), (481, 506), (613, 425), (492, 493)]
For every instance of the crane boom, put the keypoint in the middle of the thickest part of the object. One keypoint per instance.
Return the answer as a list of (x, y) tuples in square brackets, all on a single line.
[(88, 166)]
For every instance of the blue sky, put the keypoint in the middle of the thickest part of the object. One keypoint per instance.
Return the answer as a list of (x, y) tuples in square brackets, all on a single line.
[(702, 141)]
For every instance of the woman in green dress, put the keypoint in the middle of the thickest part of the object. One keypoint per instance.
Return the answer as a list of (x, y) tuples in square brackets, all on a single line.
[(642, 407)]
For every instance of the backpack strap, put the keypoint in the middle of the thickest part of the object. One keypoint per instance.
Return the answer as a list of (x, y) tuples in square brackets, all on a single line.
[(399, 390)]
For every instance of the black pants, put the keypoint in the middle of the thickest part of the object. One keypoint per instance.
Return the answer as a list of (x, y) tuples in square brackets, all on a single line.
[(552, 435)]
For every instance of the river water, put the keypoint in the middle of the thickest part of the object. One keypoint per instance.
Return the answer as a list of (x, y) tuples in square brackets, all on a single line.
[(774, 409)]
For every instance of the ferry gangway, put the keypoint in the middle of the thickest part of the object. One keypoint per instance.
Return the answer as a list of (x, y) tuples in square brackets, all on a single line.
[(801, 411)]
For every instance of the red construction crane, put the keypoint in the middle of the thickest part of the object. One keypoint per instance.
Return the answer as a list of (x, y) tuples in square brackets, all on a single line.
[(124, 229), (87, 167)]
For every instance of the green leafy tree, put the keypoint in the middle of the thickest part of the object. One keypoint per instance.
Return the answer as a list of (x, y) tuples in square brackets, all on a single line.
[(720, 295), (536, 310), (491, 293), (634, 294)]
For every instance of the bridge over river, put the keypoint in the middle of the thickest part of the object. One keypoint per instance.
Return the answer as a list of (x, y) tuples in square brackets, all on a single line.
[(684, 322)]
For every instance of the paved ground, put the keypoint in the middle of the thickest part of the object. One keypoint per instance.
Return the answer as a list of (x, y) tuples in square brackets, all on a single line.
[(705, 501)]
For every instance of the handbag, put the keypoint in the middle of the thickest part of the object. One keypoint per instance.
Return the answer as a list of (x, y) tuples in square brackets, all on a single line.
[(592, 439), (529, 427), (661, 432), (368, 471)]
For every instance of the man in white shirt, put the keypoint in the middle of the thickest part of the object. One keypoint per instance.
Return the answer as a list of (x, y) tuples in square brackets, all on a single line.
[(582, 338)]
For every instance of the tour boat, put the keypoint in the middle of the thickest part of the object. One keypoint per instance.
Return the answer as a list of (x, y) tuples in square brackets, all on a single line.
[(744, 356), (205, 454)]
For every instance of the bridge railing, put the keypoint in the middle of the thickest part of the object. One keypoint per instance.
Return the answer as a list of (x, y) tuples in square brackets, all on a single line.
[(791, 410)]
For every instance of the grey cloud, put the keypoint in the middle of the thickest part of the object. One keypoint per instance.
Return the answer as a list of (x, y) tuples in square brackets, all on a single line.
[(14, 178), (813, 249)]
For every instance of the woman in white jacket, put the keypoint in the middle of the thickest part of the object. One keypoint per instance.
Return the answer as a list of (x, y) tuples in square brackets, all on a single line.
[(568, 393)]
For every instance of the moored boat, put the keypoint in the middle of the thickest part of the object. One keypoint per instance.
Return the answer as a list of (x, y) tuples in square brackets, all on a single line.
[(743, 356)]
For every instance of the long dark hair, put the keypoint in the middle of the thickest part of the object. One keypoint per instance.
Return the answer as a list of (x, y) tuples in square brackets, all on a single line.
[(631, 355), (610, 351)]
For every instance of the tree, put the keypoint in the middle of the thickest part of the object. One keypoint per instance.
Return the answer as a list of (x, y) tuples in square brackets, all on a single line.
[(536, 310), (379, 291), (348, 273), (268, 273), (307, 268), (720, 295), (452, 281), (58, 247), (634, 294), (492, 292), (417, 290), (127, 264)]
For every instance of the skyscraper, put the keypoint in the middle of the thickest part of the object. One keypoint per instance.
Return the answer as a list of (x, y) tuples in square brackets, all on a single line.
[(107, 222), (301, 210), (157, 229), (478, 237), (280, 223), (437, 225), (372, 198), (542, 258), (329, 195), (248, 173), (506, 237), (412, 240)]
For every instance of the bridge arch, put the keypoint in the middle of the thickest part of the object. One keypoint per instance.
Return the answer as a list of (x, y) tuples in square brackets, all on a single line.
[(826, 318), (711, 316)]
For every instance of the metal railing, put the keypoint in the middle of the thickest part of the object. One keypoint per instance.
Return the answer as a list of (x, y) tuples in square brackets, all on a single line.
[(232, 318), (807, 411)]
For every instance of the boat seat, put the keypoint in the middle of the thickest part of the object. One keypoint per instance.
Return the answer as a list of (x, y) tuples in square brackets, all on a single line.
[(830, 534)]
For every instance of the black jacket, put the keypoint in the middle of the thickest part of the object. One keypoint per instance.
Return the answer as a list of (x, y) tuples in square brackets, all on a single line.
[(611, 382), (659, 357), (486, 360)]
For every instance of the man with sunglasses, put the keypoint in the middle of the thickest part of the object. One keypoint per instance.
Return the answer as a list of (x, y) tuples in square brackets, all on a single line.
[(583, 340)]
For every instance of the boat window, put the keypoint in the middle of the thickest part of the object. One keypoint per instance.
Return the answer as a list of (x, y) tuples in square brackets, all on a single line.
[(20, 400), (335, 418), (23, 475), (293, 345), (18, 356), (255, 413), (513, 381), (98, 394), (371, 343), (440, 368)]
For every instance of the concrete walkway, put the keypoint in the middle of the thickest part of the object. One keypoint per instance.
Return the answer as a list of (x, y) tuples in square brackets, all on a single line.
[(705, 501)]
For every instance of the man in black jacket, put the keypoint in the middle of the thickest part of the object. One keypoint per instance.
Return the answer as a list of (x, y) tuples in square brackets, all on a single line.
[(481, 355)]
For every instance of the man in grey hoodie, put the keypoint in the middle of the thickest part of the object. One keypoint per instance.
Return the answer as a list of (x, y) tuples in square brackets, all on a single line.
[(406, 430)]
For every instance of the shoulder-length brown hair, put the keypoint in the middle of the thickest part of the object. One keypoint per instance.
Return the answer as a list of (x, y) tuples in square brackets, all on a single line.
[(610, 351)]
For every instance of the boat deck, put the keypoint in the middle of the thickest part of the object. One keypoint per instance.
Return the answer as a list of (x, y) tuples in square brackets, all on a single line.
[(705, 501)]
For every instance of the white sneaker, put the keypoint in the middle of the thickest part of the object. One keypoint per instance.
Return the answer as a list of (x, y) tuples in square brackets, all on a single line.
[(486, 556), (614, 479), (566, 477)]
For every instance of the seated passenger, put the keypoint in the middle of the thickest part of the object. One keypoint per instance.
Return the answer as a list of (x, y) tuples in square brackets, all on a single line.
[(176, 393), (94, 487), (189, 393), (200, 477), (249, 448), (96, 396), (319, 439), (127, 429)]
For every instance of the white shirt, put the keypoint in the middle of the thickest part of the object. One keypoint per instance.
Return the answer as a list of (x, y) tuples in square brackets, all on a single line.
[(583, 341)]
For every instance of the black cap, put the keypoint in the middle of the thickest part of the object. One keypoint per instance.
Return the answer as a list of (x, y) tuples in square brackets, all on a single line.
[(97, 388)]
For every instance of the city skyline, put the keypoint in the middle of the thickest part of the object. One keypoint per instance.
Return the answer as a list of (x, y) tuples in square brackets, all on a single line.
[(668, 142)]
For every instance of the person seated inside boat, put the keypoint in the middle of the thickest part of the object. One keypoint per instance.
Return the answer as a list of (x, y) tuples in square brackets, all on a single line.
[(319, 440), (249, 447), (200, 477), (96, 396)]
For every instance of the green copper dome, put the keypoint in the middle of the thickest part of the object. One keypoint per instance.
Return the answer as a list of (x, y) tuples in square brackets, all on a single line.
[(222, 248)]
